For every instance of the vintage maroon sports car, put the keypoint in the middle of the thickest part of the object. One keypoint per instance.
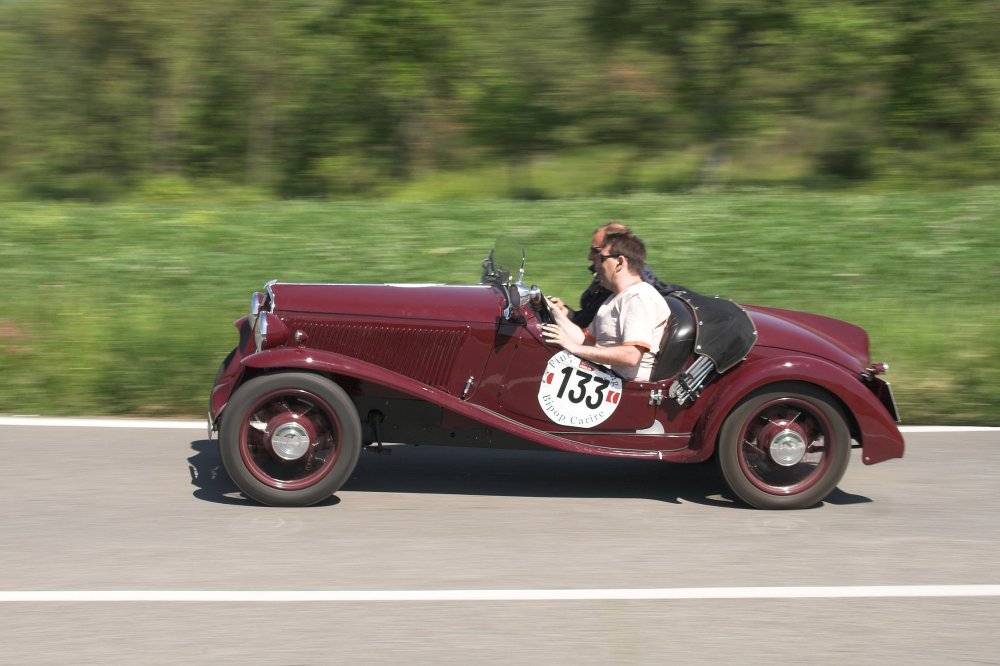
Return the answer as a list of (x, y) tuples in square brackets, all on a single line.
[(777, 397)]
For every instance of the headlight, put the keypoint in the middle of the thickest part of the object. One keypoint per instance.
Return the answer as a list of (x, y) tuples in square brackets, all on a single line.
[(256, 303), (269, 332)]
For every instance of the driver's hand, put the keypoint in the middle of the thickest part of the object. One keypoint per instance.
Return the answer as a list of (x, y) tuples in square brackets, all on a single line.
[(555, 335), (567, 335), (557, 304)]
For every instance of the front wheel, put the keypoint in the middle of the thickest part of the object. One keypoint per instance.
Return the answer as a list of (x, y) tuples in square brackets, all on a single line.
[(290, 439), (784, 447)]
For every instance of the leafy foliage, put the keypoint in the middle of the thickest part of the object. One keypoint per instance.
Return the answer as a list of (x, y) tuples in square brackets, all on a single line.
[(348, 98)]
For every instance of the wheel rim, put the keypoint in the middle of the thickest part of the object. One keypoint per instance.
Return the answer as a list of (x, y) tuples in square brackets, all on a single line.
[(290, 439), (786, 446)]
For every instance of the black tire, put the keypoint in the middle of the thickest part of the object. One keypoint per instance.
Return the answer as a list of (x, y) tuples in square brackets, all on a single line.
[(290, 439), (786, 446)]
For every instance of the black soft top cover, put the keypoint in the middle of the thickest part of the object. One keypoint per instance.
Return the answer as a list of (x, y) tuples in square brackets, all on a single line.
[(726, 333)]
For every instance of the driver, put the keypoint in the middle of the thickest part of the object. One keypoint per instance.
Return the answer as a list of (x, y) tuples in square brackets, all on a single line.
[(595, 294), (627, 329)]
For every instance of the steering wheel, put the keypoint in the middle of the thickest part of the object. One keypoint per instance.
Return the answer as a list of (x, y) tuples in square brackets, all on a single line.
[(541, 306)]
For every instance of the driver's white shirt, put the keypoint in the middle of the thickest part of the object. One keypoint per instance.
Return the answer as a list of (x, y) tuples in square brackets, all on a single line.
[(637, 316)]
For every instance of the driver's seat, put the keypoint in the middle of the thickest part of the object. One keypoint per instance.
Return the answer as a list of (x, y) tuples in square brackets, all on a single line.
[(678, 340)]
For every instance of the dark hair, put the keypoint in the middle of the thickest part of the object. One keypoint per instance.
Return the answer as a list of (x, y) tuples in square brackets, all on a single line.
[(629, 246)]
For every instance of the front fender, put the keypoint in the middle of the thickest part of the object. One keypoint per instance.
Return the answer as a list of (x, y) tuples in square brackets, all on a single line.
[(230, 372), (331, 363), (876, 429)]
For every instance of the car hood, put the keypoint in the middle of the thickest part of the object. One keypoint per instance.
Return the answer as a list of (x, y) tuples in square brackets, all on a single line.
[(838, 341), (477, 303)]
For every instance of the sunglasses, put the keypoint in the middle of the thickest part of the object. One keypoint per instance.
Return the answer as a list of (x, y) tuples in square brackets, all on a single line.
[(602, 257)]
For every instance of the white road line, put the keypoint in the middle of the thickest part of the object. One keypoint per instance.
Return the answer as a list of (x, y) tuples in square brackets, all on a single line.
[(167, 424), (905, 429), (102, 423), (662, 594)]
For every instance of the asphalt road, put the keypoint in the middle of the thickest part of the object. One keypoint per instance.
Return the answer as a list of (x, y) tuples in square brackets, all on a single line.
[(92, 509)]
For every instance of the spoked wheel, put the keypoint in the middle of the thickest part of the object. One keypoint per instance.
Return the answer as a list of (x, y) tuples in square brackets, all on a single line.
[(785, 447), (290, 439)]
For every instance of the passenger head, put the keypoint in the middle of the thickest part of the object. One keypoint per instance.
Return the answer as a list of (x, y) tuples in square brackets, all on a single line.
[(628, 245), (597, 241)]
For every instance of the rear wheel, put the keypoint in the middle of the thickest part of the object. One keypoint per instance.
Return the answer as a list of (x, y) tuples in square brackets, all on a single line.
[(290, 439), (784, 447)]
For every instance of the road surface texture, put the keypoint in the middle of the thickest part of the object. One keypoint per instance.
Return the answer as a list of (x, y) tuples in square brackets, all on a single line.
[(130, 545)]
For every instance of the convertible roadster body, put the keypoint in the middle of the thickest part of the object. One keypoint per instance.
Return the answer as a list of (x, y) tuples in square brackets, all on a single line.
[(777, 397)]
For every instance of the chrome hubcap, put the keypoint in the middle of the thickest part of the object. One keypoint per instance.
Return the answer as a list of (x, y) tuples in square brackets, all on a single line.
[(788, 448), (290, 441)]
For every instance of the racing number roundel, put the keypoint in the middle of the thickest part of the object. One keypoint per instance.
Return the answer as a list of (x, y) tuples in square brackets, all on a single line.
[(575, 393)]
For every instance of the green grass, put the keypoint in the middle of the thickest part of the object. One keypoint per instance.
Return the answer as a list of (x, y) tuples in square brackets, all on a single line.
[(582, 172), (127, 308)]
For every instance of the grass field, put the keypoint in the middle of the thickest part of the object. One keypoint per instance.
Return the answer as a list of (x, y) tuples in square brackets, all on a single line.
[(127, 308)]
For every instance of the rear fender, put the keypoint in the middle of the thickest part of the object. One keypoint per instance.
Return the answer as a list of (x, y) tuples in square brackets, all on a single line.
[(871, 424)]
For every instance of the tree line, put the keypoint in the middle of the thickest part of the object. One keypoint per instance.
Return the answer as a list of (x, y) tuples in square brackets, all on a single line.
[(307, 98)]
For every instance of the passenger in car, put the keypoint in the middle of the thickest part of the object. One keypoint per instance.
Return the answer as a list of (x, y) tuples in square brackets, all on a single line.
[(628, 326), (595, 294)]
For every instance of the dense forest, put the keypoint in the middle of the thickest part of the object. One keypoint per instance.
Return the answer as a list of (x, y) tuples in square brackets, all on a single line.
[(354, 98)]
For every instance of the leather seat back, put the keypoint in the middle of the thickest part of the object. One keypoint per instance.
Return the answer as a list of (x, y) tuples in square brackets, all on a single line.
[(678, 340)]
